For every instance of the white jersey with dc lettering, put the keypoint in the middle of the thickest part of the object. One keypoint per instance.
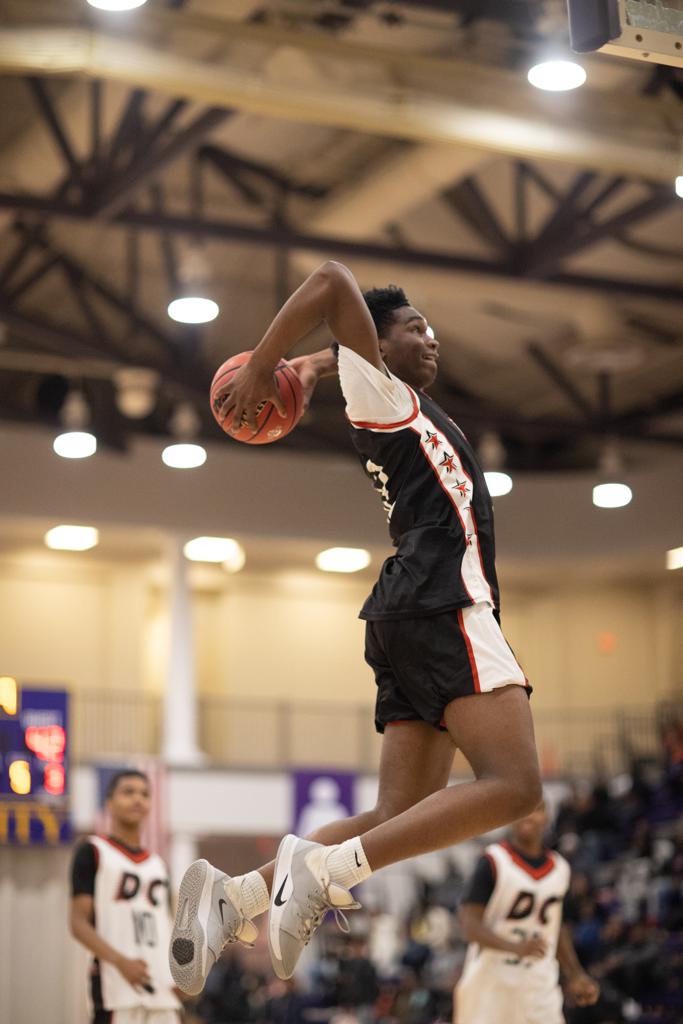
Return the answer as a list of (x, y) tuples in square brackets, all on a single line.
[(526, 902), (132, 914)]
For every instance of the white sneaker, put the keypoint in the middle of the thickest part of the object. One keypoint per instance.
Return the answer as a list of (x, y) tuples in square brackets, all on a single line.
[(208, 917), (301, 896)]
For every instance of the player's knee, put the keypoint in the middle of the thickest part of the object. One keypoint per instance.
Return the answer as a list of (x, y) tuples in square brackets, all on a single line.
[(527, 791), (385, 810)]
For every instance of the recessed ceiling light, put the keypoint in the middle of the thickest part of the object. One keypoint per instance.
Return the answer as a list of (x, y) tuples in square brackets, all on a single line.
[(116, 5), (193, 309), (612, 495), (557, 75), (215, 549), (674, 558), (184, 456), (72, 538), (75, 444), (343, 559), (498, 483)]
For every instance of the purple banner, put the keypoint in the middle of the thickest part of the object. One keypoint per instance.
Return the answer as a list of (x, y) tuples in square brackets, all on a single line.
[(321, 797)]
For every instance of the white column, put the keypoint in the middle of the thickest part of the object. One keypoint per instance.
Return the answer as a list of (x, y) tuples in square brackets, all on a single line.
[(183, 849), (179, 745)]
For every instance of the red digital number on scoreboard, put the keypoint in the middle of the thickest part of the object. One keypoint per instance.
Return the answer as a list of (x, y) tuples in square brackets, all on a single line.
[(47, 742)]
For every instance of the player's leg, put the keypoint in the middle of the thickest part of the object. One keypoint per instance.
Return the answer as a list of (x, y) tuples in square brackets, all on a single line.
[(416, 760), (495, 733), (214, 909)]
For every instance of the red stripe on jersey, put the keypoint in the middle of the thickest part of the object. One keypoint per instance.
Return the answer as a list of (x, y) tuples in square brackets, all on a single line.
[(450, 498), (539, 872), (390, 426), (136, 857), (474, 523), (470, 652)]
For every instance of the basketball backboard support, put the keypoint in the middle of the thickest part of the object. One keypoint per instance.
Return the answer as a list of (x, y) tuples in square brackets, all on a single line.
[(647, 30)]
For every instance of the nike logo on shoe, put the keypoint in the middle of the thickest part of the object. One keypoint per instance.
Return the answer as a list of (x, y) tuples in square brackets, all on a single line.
[(221, 904), (278, 901), (355, 854)]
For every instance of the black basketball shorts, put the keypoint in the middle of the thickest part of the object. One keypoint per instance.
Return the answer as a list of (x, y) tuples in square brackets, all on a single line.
[(422, 664)]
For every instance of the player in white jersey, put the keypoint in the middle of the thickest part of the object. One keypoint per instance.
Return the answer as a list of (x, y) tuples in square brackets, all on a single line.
[(511, 914), (120, 912)]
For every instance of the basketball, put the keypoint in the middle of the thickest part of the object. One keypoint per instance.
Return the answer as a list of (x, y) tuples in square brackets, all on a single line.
[(270, 426)]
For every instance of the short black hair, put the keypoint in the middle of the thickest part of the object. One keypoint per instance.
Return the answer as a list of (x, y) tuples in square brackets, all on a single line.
[(124, 773), (383, 303)]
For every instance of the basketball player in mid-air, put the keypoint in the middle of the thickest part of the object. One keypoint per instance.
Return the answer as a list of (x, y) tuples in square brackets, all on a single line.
[(511, 914), (445, 675), (120, 912)]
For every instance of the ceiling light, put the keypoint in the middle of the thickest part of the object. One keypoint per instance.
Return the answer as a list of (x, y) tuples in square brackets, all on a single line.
[(184, 456), (557, 75), (343, 559), (612, 495), (193, 309), (214, 549), (674, 558), (498, 483), (116, 5), (75, 444), (72, 538), (679, 186)]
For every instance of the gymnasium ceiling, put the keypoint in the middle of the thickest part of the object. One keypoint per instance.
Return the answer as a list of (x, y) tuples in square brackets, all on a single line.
[(540, 233)]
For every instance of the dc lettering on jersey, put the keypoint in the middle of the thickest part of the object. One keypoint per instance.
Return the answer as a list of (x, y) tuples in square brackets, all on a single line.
[(130, 883), (527, 905)]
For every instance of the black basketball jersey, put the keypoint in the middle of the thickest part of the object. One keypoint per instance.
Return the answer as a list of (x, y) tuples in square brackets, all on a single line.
[(439, 511)]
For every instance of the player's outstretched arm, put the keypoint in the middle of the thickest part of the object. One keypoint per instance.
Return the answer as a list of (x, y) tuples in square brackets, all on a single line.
[(581, 988), (81, 925), (330, 294), (471, 919)]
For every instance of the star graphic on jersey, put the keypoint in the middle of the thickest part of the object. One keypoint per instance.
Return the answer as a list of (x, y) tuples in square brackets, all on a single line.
[(448, 463), (461, 487), (433, 440)]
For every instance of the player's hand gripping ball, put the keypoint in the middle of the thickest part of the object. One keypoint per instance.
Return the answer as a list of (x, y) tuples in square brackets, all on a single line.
[(270, 425)]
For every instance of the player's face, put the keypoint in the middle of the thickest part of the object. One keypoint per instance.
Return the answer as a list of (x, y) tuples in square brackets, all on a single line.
[(410, 349), (129, 803), (530, 829)]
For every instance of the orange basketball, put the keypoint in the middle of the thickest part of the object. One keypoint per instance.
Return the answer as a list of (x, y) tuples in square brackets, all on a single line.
[(270, 426)]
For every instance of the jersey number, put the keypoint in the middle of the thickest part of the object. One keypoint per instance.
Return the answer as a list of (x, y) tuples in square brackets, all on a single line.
[(145, 926)]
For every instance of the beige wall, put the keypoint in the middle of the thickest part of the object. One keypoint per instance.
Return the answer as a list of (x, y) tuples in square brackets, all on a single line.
[(66, 619)]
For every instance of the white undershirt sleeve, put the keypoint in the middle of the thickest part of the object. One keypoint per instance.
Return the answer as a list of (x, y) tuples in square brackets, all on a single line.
[(373, 396)]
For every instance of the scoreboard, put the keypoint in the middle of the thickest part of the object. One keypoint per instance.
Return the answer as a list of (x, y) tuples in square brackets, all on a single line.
[(34, 765)]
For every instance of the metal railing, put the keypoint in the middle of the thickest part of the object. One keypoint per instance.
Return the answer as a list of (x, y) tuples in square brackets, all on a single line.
[(261, 734)]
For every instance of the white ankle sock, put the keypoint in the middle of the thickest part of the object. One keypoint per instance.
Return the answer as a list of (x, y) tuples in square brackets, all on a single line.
[(254, 895), (347, 863)]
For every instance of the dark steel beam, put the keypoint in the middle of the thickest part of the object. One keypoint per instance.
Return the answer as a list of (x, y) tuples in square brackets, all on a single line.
[(95, 121), (468, 200), (115, 195), (21, 287), (560, 379), (16, 260), (293, 240), (167, 248), (174, 108), (587, 233), (128, 127), (563, 217), (121, 304), (93, 320), (521, 204), (47, 110), (228, 163)]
